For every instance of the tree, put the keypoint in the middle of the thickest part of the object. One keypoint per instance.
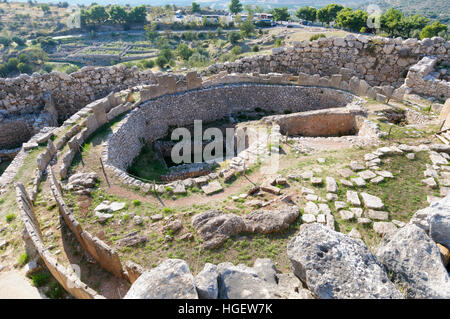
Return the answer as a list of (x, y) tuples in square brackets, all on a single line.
[(280, 14), (307, 14), (97, 14), (353, 20), (235, 6), (195, 8), (433, 30), (19, 41), (150, 31), (411, 23), (391, 21), (247, 28), (234, 37), (137, 15), (161, 61), (184, 52), (329, 13), (118, 14)]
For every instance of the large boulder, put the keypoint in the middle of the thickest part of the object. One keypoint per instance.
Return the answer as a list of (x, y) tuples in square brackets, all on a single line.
[(207, 282), (265, 221), (262, 281), (440, 222), (215, 227), (415, 261), (172, 279), (334, 265)]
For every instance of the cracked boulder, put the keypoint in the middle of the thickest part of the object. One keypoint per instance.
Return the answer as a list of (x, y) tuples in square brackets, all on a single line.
[(333, 265), (415, 261)]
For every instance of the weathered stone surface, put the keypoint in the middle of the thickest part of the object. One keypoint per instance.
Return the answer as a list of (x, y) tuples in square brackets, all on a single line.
[(333, 265), (207, 283), (371, 201), (265, 221), (308, 218), (358, 181), (331, 185), (367, 175), (415, 261), (439, 221), (172, 279), (353, 199), (384, 228), (311, 208), (212, 187), (377, 214), (215, 227)]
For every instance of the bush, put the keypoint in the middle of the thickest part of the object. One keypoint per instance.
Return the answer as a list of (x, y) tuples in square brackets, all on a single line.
[(278, 43), (363, 30), (317, 36), (234, 37), (10, 217), (167, 53), (40, 279), (236, 50), (255, 48), (161, 61), (22, 260), (147, 64), (136, 202), (19, 41), (184, 52)]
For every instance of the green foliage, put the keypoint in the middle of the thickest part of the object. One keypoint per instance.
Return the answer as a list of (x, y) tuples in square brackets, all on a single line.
[(195, 8), (255, 48), (184, 52), (10, 217), (278, 43), (137, 15), (317, 36), (280, 14), (390, 21), (23, 259), (307, 13), (97, 15), (329, 13), (433, 30), (247, 28), (236, 50), (118, 14), (40, 279), (235, 6), (151, 32), (353, 20), (161, 61), (234, 37)]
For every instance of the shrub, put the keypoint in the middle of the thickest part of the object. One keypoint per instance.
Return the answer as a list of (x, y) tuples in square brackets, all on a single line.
[(363, 30), (40, 279), (161, 61), (317, 36), (255, 48), (10, 217), (278, 43), (136, 202), (236, 50), (167, 53), (147, 64), (22, 260), (234, 37), (184, 52)]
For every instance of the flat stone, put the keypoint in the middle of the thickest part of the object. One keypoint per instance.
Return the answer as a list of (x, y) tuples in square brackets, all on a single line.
[(212, 187), (345, 172), (339, 205), (331, 185), (270, 189), (311, 197), (156, 217), (371, 201), (377, 180), (356, 211), (430, 182), (364, 221), (353, 199), (355, 166), (358, 181), (346, 182), (385, 174), (308, 218), (321, 218), (367, 175), (354, 233), (311, 208), (377, 214), (307, 174), (116, 206), (331, 197), (306, 190), (346, 214), (370, 157), (316, 181), (102, 217), (411, 156), (398, 223), (384, 228)]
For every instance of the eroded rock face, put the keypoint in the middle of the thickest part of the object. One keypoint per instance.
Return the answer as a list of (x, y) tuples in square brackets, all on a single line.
[(440, 222), (264, 221), (333, 265), (207, 282), (262, 281), (172, 279), (416, 263), (215, 227)]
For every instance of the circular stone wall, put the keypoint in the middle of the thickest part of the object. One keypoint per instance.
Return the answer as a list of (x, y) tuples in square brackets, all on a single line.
[(151, 121)]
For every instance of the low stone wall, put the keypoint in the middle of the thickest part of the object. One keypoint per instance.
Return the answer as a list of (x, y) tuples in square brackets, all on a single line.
[(152, 119), (106, 256), (421, 80), (67, 278), (380, 61), (329, 122)]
